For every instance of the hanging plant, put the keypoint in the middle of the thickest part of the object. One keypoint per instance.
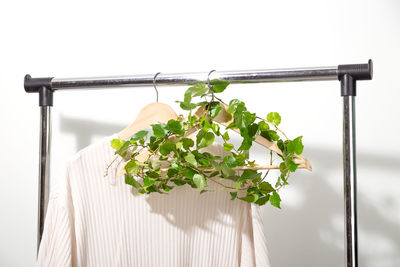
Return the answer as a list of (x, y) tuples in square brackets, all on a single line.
[(169, 142)]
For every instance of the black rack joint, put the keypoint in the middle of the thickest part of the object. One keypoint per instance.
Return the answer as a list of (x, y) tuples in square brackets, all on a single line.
[(41, 86), (350, 73)]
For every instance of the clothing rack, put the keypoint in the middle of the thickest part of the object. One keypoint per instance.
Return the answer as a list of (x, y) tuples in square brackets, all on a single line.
[(347, 75)]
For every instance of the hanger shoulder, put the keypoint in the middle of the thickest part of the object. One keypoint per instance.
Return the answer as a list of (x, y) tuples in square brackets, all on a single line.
[(149, 114)]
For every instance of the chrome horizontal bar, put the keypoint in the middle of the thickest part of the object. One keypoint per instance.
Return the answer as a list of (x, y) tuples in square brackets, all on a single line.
[(245, 76)]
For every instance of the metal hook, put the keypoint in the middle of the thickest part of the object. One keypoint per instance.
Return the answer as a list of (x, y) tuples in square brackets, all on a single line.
[(154, 84)]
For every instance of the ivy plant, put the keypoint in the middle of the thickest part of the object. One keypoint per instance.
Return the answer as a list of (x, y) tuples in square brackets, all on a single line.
[(187, 165)]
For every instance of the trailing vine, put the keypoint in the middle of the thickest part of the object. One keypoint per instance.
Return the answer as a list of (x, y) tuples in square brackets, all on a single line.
[(169, 143)]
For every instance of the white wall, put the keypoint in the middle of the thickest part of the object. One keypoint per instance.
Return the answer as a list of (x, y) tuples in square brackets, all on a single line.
[(97, 38)]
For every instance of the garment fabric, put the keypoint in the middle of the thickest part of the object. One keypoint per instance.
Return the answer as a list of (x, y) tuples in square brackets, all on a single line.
[(93, 220)]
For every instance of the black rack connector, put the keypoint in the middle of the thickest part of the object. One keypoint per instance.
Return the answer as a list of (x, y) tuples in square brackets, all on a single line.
[(349, 74), (41, 86)]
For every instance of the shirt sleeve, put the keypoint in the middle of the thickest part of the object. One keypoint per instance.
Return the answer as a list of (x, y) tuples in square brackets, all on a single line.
[(56, 246)]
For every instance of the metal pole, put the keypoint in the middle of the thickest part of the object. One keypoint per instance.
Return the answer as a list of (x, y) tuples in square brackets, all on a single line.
[(45, 103), (350, 185), (44, 168), (244, 76)]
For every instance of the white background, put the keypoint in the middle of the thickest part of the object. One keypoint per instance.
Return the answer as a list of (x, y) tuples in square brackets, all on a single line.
[(97, 38)]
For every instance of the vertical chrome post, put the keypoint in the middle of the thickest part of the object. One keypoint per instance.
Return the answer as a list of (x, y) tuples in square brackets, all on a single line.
[(350, 179), (44, 168), (348, 76)]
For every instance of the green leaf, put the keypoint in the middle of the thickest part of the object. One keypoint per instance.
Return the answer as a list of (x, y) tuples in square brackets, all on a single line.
[(187, 143), (292, 166), (266, 187), (263, 126), (147, 181), (227, 171), (166, 148), (249, 175), (189, 173), (270, 135), (230, 161), (238, 117), (154, 143), (225, 136), (243, 118), (205, 124), (206, 139), (233, 104), (204, 162), (198, 89), (187, 106), (139, 135), (199, 181), (261, 201), (296, 146), (215, 108), (190, 158), (116, 143), (246, 144), (281, 145), (179, 145), (166, 187), (187, 96), (159, 130), (250, 198), (153, 174), (274, 118), (129, 179), (172, 172), (275, 199), (132, 167), (233, 195), (218, 86), (215, 127), (253, 190), (283, 168), (228, 147), (252, 129), (175, 126), (153, 188), (178, 182), (123, 148), (213, 174), (246, 175), (240, 159)]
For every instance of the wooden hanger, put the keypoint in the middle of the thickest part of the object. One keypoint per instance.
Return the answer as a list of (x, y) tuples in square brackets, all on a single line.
[(149, 114), (155, 112), (223, 118)]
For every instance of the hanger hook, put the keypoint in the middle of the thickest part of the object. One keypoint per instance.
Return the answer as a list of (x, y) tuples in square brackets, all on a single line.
[(154, 84), (208, 80)]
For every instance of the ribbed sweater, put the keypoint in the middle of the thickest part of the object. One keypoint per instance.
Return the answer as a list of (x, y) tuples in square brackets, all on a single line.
[(93, 220)]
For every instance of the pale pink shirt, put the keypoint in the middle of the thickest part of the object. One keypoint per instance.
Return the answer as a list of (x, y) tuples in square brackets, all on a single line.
[(96, 221)]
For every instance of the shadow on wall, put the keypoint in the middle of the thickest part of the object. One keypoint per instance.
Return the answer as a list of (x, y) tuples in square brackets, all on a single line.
[(86, 130), (310, 232)]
